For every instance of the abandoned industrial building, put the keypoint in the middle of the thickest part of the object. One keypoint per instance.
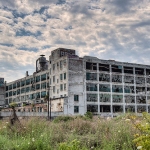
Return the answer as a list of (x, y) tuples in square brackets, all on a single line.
[(78, 85)]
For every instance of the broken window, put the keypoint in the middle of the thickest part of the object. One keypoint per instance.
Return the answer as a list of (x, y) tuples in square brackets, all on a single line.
[(10, 87), (18, 99), (92, 98), (6, 101), (28, 82), (148, 109), (148, 99), (140, 90), (91, 76), (14, 85), (27, 89), (104, 87), (76, 109), (117, 88), (14, 93), (105, 98), (61, 64), (23, 90), (91, 87), (148, 80), (116, 78), (129, 89), (32, 96), (139, 71), (6, 88), (10, 93), (128, 70), (22, 98), (33, 88), (6, 94), (91, 66), (18, 91), (43, 77), (129, 99), (140, 80), (141, 109), (129, 79), (76, 98), (38, 79), (148, 72), (117, 108), (104, 77), (130, 108), (37, 86), (43, 85), (103, 67), (43, 94), (22, 83), (10, 100), (18, 84), (105, 108), (141, 99), (92, 108), (38, 95), (116, 68), (117, 98)]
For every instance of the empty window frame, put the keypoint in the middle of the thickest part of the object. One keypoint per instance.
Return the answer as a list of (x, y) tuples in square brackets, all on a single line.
[(104, 67), (91, 66), (53, 89), (14, 93), (141, 109), (14, 85), (57, 91), (128, 70), (38, 79), (10, 93), (43, 77), (43, 85), (6, 88), (64, 76), (18, 91), (139, 80), (91, 87), (10, 100), (92, 108), (140, 90), (53, 79), (37, 86), (116, 68), (61, 76), (104, 77), (23, 90), (6, 94), (43, 94), (148, 80), (65, 86), (117, 78), (148, 72), (61, 64), (22, 98), (129, 108), (18, 84), (129, 79), (148, 109), (38, 95), (105, 108), (104, 87), (10, 87), (117, 98), (117, 108), (148, 99), (57, 64), (148, 90), (32, 96), (61, 87), (92, 98), (33, 88), (117, 88), (32, 80), (129, 89), (17, 99), (76, 109), (53, 66), (22, 83), (129, 99), (76, 97), (6, 101), (139, 71), (91, 76), (27, 89), (105, 98), (47, 75), (28, 82), (141, 99)]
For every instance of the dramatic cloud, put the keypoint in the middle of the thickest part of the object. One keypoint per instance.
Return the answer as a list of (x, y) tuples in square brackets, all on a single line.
[(107, 29)]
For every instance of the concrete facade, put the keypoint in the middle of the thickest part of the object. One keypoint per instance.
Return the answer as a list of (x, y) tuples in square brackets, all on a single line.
[(2, 92), (105, 87)]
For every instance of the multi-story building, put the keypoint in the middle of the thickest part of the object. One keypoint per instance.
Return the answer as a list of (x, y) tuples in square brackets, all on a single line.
[(89, 84), (2, 92)]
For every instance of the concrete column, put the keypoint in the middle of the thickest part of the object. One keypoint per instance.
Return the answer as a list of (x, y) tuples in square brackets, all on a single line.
[(98, 88), (135, 89), (111, 89), (124, 104)]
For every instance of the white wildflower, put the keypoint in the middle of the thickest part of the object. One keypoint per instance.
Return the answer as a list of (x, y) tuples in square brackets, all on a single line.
[(32, 131), (24, 127), (6, 122), (33, 139), (139, 147), (119, 131), (4, 126), (146, 123), (41, 135), (127, 120), (28, 142)]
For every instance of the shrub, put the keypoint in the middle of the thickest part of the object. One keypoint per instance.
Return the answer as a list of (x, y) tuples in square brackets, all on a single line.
[(63, 118), (89, 115)]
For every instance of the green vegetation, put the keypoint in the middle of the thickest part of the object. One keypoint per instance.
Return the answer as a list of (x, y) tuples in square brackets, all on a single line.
[(77, 133)]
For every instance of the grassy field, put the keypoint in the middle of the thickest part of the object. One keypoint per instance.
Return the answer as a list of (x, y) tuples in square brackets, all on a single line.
[(70, 133)]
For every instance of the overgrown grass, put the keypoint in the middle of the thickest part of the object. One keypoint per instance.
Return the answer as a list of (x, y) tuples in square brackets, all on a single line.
[(70, 133)]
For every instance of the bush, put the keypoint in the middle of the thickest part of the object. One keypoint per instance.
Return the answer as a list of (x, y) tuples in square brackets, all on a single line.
[(88, 115), (63, 118)]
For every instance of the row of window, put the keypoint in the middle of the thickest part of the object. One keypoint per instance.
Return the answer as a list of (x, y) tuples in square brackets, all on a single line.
[(116, 68), (115, 109), (61, 78), (27, 89), (116, 78), (117, 88), (59, 63), (62, 87), (27, 82)]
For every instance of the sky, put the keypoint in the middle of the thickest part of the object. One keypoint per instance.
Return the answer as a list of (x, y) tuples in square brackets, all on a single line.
[(107, 29)]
